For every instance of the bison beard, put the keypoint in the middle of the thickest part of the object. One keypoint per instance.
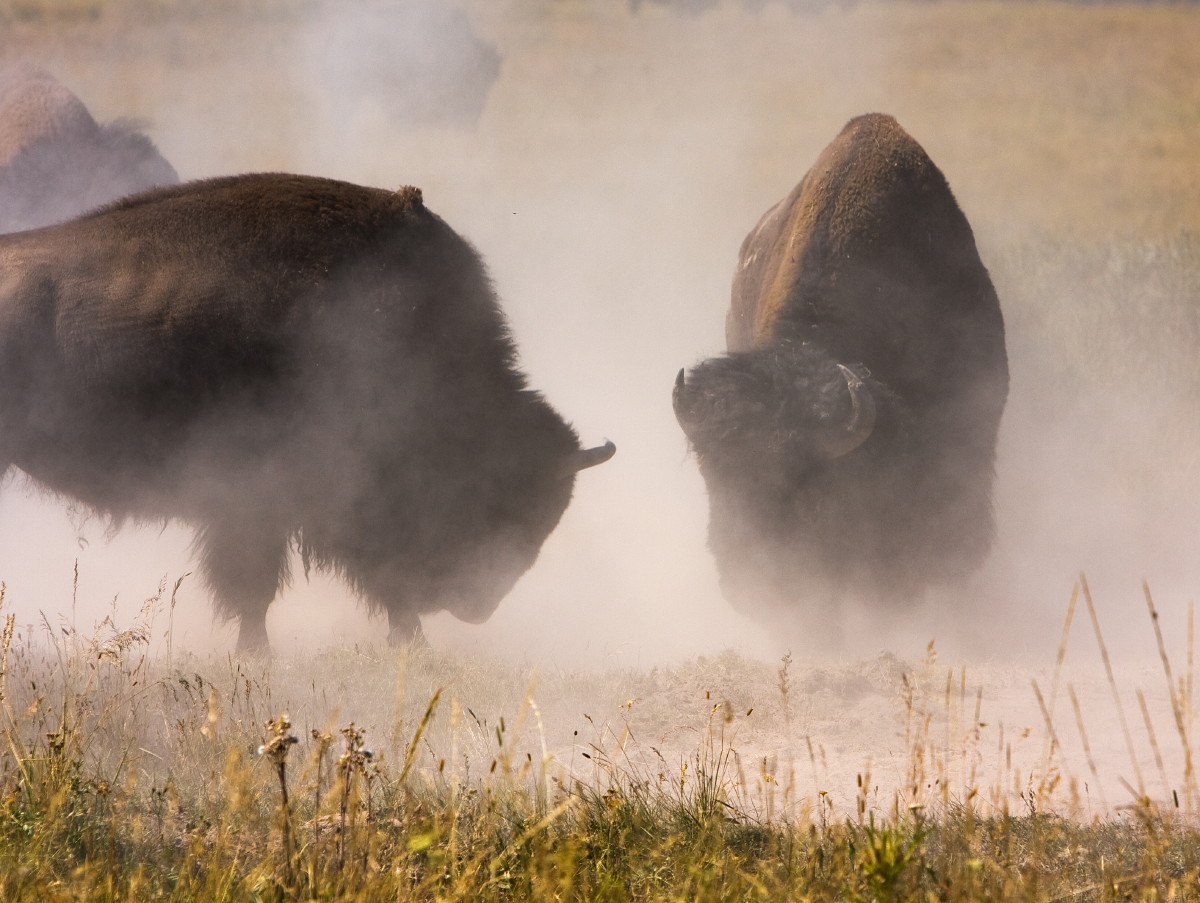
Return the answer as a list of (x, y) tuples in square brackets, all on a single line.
[(848, 439), (285, 361)]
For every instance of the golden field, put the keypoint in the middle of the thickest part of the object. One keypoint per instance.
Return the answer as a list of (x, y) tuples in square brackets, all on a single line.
[(615, 732)]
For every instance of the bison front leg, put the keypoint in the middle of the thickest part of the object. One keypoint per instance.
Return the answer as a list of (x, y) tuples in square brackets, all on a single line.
[(244, 562), (404, 628), (389, 586)]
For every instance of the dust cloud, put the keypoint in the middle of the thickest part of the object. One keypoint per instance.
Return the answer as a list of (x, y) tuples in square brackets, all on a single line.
[(607, 165)]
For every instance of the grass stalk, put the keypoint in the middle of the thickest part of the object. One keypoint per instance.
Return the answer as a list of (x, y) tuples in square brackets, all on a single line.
[(1177, 704), (1112, 683)]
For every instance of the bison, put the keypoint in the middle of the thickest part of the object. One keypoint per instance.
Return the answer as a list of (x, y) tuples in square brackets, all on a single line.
[(285, 362), (847, 439), (418, 62), (56, 161)]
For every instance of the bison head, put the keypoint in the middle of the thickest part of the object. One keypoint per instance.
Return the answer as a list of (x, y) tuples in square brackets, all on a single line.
[(455, 510), (781, 411), (804, 459), (500, 539)]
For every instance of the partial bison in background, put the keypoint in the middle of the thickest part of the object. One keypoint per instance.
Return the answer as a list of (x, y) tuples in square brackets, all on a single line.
[(416, 62), (700, 7), (285, 361), (848, 437), (56, 161)]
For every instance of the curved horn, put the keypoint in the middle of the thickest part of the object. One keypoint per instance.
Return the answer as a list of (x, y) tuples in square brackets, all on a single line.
[(861, 421), (590, 457), (681, 413)]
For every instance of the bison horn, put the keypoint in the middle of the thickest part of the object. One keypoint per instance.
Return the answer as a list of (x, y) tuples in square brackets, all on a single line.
[(861, 422), (590, 457), (681, 412)]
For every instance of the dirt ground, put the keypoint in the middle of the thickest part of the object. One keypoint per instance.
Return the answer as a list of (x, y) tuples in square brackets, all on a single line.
[(617, 163)]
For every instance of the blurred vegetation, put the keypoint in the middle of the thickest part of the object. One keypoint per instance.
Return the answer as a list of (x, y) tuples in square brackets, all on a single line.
[(1108, 329), (50, 11)]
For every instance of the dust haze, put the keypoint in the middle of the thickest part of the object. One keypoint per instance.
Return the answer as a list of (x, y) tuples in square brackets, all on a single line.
[(607, 173)]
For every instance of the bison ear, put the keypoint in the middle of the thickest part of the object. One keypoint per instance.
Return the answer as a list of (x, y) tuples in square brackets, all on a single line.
[(589, 457), (859, 425)]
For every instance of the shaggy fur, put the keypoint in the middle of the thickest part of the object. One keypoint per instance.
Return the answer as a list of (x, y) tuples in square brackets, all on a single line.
[(56, 161), (285, 360), (868, 263)]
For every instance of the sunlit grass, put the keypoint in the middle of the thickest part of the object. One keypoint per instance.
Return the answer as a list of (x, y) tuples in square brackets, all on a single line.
[(125, 777), (132, 773)]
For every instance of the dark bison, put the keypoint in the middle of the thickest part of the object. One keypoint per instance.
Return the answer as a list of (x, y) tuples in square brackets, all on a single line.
[(56, 161), (848, 437), (285, 361)]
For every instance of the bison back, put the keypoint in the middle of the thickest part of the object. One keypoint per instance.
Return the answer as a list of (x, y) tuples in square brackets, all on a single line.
[(871, 258)]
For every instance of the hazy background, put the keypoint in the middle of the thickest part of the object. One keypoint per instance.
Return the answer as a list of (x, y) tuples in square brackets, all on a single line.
[(615, 164)]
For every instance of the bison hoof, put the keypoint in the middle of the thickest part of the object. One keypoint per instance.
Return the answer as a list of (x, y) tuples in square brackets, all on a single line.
[(252, 641)]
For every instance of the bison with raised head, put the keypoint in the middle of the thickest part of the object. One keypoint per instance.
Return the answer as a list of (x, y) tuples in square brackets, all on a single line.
[(56, 161), (848, 437), (285, 362)]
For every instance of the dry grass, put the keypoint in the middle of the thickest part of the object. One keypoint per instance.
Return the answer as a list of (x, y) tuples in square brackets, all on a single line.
[(125, 777), (130, 770)]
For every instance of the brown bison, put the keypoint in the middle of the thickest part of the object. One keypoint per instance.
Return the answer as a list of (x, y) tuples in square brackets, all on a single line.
[(848, 437), (56, 161), (285, 362)]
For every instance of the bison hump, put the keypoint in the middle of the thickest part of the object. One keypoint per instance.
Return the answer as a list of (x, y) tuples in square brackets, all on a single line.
[(873, 226), (34, 106)]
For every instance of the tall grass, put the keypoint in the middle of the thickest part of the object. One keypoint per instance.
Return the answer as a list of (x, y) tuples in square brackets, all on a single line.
[(125, 777)]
